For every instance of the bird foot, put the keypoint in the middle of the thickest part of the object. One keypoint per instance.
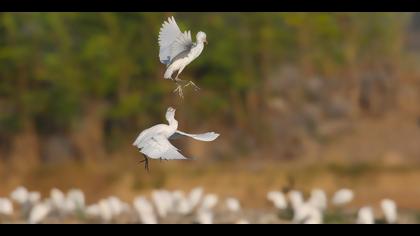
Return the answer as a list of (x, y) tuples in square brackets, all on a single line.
[(179, 90), (196, 88)]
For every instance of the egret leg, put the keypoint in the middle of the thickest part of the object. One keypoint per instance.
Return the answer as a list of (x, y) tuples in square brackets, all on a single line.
[(196, 88), (178, 87), (146, 163)]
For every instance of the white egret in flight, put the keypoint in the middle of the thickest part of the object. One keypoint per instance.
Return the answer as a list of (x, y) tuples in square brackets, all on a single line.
[(153, 142), (177, 50)]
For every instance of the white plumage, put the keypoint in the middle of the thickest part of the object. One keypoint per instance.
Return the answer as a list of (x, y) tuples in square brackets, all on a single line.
[(145, 211), (177, 50), (233, 204), (39, 212), (342, 197), (389, 208), (365, 216), (278, 199), (6, 207), (318, 199), (153, 142)]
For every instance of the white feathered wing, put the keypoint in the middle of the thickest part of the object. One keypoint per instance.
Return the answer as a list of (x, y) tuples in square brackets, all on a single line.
[(158, 147), (172, 41), (207, 137)]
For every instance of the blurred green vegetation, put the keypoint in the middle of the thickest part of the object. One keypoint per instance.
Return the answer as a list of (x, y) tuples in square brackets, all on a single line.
[(55, 68)]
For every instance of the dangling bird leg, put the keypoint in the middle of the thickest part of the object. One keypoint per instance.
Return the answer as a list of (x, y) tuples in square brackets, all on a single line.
[(178, 87), (146, 163), (196, 88)]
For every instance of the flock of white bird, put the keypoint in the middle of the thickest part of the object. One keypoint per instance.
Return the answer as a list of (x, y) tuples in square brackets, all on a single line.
[(25, 206), (312, 210), (196, 206)]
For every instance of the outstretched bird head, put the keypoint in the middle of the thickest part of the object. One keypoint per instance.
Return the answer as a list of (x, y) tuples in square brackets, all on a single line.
[(170, 114), (201, 37)]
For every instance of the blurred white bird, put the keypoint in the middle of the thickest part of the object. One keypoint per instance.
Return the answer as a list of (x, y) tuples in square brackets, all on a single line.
[(105, 210), (278, 199), (58, 200), (318, 199), (365, 216), (153, 142), (389, 209), (39, 212), (307, 214), (163, 202), (233, 204), (181, 203), (177, 50), (6, 207), (209, 201), (205, 216), (195, 196), (342, 197), (76, 199), (145, 210), (25, 199), (34, 197), (117, 206), (296, 199), (93, 211), (20, 195)]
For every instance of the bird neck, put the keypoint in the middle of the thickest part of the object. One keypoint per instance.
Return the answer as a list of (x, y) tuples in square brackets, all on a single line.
[(173, 123)]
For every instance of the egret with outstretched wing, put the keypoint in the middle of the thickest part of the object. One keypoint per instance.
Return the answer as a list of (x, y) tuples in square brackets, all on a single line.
[(154, 141), (177, 50)]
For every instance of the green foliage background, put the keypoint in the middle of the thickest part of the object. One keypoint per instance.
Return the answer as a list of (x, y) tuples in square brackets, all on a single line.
[(56, 67)]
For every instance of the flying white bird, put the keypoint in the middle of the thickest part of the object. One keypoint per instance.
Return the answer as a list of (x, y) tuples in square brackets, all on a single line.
[(153, 142), (177, 50)]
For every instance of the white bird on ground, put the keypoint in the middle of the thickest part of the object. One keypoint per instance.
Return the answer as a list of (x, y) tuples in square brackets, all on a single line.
[(20, 195), (6, 207), (365, 216), (34, 197), (389, 209), (307, 214), (318, 199), (163, 202), (58, 200), (209, 202), (76, 199), (205, 216), (195, 196), (117, 206), (145, 210), (278, 199), (342, 197), (105, 210), (296, 199), (177, 50), (233, 204), (181, 203), (39, 212), (153, 142), (93, 210)]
